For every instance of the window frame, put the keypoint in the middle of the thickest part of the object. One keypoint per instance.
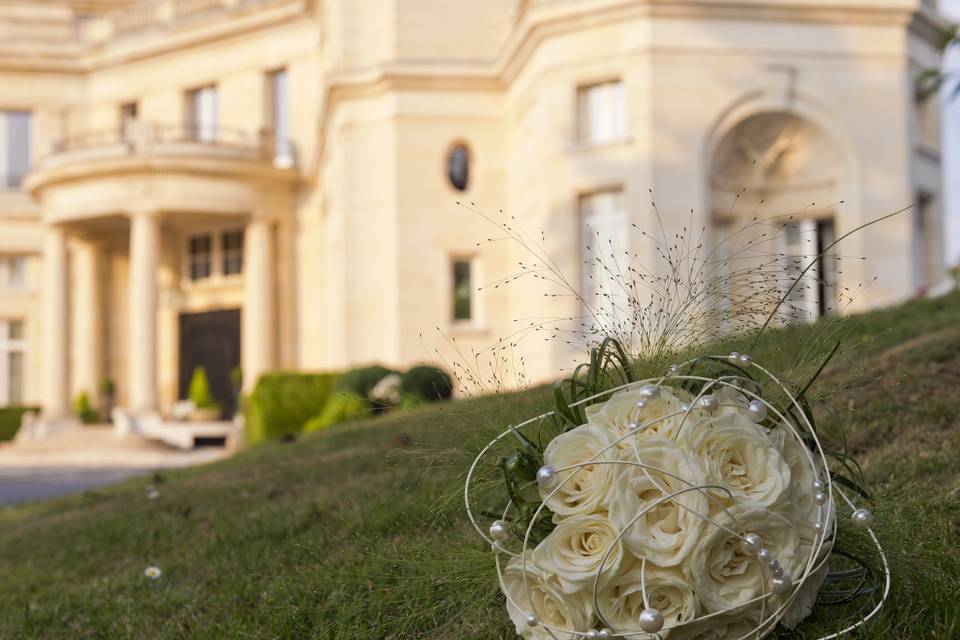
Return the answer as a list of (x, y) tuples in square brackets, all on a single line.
[(217, 275), (282, 139), (10, 181), (583, 112), (197, 130), (581, 198), (7, 270), (9, 346)]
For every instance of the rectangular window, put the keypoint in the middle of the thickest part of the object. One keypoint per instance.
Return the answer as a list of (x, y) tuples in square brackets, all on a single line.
[(462, 290), (815, 294), (921, 214), (12, 348), (602, 112), (14, 148), (13, 272), (231, 252), (278, 108), (604, 241), (202, 113), (128, 115), (200, 257)]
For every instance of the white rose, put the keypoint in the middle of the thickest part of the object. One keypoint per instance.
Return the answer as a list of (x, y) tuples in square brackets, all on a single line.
[(738, 454), (724, 574), (669, 529), (802, 474), (806, 597), (575, 549), (580, 491), (620, 412), (735, 626), (543, 598), (668, 591)]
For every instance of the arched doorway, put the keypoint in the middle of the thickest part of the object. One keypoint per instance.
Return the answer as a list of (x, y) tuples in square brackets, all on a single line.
[(786, 171)]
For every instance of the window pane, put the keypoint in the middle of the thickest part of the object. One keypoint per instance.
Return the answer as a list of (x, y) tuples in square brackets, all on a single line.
[(15, 379), (602, 112), (203, 113), (280, 114), (462, 292), (604, 236), (15, 151), (17, 272), (200, 257), (232, 251), (458, 167), (15, 329)]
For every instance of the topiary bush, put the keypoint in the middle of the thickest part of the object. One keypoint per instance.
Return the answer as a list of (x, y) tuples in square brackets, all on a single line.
[(363, 379), (283, 402), (10, 419), (341, 407), (199, 392), (430, 383), (83, 410)]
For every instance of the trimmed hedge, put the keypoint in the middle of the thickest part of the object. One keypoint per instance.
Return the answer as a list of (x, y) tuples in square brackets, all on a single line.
[(283, 402), (340, 408), (429, 383), (10, 418), (363, 379)]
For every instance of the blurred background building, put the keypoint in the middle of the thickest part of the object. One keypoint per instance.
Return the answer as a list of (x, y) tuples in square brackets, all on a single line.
[(272, 183)]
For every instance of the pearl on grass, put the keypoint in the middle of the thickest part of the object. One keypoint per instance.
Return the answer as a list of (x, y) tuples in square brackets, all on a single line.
[(819, 486), (651, 620), (751, 543), (818, 527), (820, 497), (532, 621), (709, 403), (649, 392), (593, 634), (546, 476), (757, 411), (862, 518), (744, 358), (605, 633), (734, 355), (781, 585), (674, 369), (500, 531)]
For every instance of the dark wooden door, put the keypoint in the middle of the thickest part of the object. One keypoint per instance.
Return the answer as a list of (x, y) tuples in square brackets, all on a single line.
[(211, 340)]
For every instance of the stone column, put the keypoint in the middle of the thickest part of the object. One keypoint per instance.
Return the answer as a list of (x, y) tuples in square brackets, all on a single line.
[(56, 404), (88, 322), (258, 340), (142, 316)]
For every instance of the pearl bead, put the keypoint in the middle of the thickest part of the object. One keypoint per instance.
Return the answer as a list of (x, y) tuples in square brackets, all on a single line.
[(641, 405), (862, 518), (532, 621), (757, 411), (709, 403), (734, 355), (546, 475), (649, 392), (634, 426), (500, 531), (819, 486), (684, 407), (782, 584), (605, 633), (651, 620), (820, 497), (818, 527), (674, 369), (593, 634), (751, 543), (744, 358), (764, 555)]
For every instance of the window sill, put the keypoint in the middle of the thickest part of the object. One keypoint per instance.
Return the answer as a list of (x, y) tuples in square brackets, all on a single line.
[(467, 328), (579, 146), (213, 282)]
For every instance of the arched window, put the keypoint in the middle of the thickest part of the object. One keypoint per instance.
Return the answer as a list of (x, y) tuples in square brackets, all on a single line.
[(458, 167)]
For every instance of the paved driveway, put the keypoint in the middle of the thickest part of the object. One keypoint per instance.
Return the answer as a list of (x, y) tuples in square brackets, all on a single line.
[(22, 485)]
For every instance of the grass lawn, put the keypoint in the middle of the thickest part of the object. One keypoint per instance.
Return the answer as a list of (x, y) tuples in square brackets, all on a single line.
[(348, 533)]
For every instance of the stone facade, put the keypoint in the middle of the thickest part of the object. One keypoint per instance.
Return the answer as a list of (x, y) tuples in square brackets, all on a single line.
[(323, 129)]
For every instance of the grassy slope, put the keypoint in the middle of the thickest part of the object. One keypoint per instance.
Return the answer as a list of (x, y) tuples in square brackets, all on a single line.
[(339, 535)]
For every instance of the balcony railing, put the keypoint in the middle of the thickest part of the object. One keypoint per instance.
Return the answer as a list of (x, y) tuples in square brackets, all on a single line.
[(147, 138)]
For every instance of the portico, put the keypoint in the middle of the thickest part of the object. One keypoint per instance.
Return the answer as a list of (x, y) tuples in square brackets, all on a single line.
[(120, 246)]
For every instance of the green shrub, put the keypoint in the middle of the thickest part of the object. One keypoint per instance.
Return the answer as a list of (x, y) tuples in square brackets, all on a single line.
[(10, 418), (282, 402), (430, 383), (199, 392), (362, 379), (83, 410), (340, 408)]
